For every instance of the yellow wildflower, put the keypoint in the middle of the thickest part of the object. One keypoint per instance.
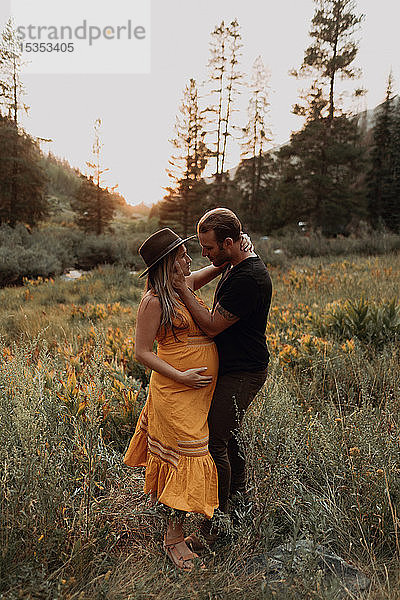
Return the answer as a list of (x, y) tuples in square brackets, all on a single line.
[(354, 451)]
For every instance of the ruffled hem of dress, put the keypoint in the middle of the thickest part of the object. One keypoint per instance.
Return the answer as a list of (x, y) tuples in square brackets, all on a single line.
[(192, 486)]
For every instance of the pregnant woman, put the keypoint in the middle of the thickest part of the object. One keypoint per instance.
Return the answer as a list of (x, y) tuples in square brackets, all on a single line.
[(171, 437)]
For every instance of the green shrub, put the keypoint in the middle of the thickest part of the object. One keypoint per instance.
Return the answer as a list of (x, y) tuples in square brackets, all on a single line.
[(17, 263), (369, 322), (25, 254), (94, 250), (52, 249)]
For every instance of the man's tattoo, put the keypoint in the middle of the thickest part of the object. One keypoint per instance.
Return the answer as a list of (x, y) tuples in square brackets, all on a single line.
[(226, 314)]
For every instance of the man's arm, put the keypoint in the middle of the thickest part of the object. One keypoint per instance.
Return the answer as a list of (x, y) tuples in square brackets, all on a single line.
[(211, 323)]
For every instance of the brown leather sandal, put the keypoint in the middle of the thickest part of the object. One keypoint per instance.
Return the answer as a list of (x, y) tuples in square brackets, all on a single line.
[(183, 561), (202, 542)]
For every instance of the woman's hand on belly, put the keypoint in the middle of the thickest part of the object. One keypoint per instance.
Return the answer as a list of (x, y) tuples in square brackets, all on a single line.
[(193, 378)]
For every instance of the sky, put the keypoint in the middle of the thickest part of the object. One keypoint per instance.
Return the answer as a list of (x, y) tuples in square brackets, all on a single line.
[(138, 110)]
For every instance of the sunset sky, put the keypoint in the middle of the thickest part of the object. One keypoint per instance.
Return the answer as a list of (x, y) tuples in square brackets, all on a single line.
[(138, 111)]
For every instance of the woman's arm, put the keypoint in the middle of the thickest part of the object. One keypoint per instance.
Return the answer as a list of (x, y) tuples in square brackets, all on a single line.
[(147, 325), (197, 279)]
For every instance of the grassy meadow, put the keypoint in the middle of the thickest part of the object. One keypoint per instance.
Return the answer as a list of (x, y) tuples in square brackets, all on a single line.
[(322, 438)]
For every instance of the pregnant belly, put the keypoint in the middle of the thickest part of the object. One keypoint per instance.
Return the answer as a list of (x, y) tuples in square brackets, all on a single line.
[(191, 357)]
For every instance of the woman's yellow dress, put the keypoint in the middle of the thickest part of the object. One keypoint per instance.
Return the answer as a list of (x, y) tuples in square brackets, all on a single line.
[(171, 436)]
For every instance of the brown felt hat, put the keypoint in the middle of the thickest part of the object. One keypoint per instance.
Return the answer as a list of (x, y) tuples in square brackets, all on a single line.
[(158, 245)]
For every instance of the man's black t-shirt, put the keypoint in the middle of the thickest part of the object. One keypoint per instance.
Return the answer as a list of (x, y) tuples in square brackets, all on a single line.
[(245, 291)]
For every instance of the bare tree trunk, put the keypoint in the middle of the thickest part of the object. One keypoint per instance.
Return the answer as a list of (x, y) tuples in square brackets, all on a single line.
[(259, 165), (14, 187), (219, 125), (226, 122), (333, 72), (229, 104), (15, 92)]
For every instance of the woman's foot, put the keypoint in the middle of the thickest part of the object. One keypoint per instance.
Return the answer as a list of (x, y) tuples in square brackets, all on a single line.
[(202, 542), (152, 499), (178, 551), (207, 536)]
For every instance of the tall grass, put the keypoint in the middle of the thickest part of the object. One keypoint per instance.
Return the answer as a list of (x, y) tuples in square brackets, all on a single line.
[(321, 438)]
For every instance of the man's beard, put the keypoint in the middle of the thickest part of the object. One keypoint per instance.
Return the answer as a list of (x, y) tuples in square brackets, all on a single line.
[(220, 259)]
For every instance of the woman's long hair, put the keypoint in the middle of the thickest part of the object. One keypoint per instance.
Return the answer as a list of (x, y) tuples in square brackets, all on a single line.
[(159, 281)]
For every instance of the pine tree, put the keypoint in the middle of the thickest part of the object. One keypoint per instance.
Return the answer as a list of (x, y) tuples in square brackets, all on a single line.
[(394, 216), (11, 88), (22, 179), (226, 79), (21, 157), (183, 201), (94, 204), (329, 191), (334, 49), (94, 207), (380, 172), (325, 160), (384, 174), (254, 174)]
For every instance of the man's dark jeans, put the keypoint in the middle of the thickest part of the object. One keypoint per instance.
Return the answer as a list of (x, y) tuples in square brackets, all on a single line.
[(232, 396)]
